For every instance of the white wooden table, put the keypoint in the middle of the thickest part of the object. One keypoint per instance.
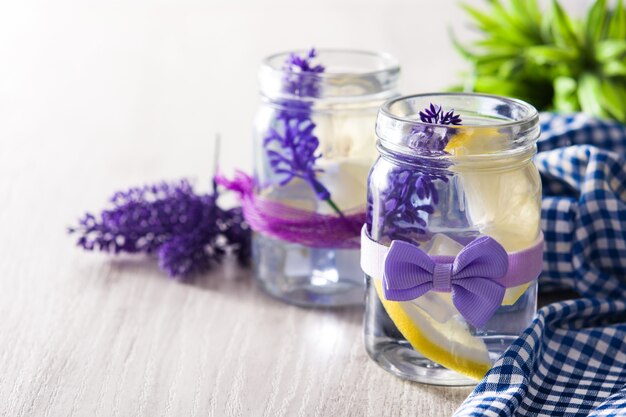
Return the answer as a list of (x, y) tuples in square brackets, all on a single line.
[(86, 335)]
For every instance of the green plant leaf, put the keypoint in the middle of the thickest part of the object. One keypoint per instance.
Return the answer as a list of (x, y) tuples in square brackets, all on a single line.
[(547, 57), (546, 26), (565, 95), (495, 85), (483, 20), (513, 22), (614, 69), (611, 99), (545, 54), (589, 92), (562, 27), (610, 49), (499, 23), (617, 24), (528, 13), (595, 24), (509, 68)]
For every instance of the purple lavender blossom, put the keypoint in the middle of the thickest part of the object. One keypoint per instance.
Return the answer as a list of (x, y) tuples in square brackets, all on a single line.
[(407, 200), (188, 232), (296, 154), (431, 138), (411, 194), (301, 75), (291, 146), (434, 115)]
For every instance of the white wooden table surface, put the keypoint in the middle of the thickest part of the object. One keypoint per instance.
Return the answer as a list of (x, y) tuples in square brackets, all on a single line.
[(98, 96), (84, 335)]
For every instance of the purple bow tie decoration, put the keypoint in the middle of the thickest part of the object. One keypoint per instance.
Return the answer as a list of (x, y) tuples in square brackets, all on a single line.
[(472, 277)]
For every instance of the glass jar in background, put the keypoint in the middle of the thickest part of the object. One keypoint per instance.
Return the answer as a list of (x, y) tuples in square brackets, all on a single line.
[(314, 143), (452, 247)]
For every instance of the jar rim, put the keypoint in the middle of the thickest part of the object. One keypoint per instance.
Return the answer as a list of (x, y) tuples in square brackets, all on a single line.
[(513, 122), (276, 61), (350, 75), (531, 116)]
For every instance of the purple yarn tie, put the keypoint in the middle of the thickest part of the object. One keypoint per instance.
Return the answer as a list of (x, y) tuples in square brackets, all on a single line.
[(474, 277), (290, 224)]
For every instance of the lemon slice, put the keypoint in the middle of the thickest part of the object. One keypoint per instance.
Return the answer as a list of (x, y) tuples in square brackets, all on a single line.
[(346, 134), (346, 180), (449, 344), (467, 142), (513, 294), (505, 205)]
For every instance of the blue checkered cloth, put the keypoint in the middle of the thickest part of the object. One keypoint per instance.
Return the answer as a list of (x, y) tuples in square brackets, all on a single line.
[(571, 361)]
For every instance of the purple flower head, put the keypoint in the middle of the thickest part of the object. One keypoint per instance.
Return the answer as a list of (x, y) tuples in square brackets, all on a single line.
[(301, 75), (433, 138), (188, 232), (434, 115), (296, 63), (292, 154)]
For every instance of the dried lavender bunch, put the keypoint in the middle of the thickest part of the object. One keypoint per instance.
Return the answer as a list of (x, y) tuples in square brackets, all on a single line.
[(189, 232), (411, 195), (291, 146)]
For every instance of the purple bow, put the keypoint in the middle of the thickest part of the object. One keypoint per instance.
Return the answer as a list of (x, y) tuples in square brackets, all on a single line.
[(472, 277)]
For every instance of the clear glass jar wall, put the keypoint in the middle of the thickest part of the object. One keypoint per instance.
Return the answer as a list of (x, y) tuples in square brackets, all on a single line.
[(341, 103), (438, 188)]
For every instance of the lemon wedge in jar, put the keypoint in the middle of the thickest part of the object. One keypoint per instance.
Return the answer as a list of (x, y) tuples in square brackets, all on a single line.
[(505, 205), (450, 344), (346, 180)]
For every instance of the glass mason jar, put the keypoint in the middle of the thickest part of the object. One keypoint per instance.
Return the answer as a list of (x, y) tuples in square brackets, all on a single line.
[(314, 143), (452, 247)]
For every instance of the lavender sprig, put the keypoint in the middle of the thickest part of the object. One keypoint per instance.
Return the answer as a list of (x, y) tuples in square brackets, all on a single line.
[(188, 232), (411, 195), (431, 138), (291, 146), (300, 75), (434, 115), (296, 155)]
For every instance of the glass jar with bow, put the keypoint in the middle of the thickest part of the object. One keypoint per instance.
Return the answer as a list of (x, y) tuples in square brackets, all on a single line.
[(452, 247)]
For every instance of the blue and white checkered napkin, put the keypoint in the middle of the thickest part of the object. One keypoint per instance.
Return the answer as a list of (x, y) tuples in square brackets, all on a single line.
[(571, 361)]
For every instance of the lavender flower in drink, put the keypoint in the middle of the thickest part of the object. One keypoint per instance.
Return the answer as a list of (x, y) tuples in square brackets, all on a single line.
[(296, 154), (301, 75), (411, 195), (291, 146), (429, 138), (435, 115)]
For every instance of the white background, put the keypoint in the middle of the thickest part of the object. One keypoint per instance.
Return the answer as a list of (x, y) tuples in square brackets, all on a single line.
[(173, 73)]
